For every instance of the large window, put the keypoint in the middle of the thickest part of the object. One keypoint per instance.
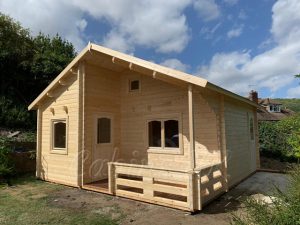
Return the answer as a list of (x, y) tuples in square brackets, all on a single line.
[(59, 134), (154, 131), (171, 133), (104, 130), (163, 134)]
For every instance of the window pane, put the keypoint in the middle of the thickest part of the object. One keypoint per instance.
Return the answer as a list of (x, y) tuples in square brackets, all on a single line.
[(134, 85), (251, 129), (59, 129), (171, 134), (154, 130), (103, 130)]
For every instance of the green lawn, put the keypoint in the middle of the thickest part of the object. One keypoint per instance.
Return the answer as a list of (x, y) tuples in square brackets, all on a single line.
[(30, 201)]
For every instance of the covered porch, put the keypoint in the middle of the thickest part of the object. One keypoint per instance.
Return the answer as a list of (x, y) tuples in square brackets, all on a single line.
[(185, 190), (151, 139)]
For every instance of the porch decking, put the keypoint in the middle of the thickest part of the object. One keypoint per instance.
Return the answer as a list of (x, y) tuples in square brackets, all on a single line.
[(99, 186), (186, 190)]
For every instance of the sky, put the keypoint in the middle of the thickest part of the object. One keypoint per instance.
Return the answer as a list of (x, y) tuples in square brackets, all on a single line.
[(240, 45)]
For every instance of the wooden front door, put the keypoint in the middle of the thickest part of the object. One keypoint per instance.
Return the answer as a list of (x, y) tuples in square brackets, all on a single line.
[(103, 151)]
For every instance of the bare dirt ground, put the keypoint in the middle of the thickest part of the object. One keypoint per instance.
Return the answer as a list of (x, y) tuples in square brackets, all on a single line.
[(274, 164), (132, 212)]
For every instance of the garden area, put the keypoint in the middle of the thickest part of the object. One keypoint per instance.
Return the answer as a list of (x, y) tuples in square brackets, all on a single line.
[(26, 200), (279, 143)]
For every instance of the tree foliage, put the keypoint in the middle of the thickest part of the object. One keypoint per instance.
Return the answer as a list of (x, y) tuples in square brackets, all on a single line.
[(281, 139), (6, 163), (27, 64), (290, 103)]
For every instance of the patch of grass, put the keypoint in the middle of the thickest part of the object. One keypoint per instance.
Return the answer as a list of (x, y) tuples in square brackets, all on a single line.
[(284, 208), (27, 202)]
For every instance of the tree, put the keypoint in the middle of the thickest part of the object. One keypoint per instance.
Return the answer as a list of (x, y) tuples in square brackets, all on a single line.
[(27, 64), (16, 51), (50, 57)]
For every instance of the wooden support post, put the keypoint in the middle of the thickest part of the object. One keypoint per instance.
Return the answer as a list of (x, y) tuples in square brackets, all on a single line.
[(111, 178), (38, 143), (191, 127), (192, 192), (223, 142), (80, 78), (198, 190)]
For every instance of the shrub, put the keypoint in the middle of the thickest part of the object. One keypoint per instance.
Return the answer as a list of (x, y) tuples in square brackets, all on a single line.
[(6, 164), (14, 115), (281, 139), (284, 209)]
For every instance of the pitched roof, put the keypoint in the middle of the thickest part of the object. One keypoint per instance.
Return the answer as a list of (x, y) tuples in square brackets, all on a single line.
[(134, 62), (273, 116), (268, 101)]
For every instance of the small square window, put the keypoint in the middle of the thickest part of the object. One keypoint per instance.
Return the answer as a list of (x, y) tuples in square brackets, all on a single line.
[(134, 85)]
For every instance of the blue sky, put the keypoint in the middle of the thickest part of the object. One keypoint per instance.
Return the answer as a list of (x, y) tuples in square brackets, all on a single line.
[(237, 44)]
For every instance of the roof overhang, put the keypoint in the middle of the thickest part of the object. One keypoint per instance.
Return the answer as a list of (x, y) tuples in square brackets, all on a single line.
[(138, 65)]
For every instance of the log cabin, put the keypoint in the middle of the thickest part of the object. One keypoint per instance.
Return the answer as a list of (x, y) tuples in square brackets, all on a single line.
[(120, 125)]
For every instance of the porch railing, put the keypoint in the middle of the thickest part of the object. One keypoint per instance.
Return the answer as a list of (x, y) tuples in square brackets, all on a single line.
[(176, 189), (211, 182)]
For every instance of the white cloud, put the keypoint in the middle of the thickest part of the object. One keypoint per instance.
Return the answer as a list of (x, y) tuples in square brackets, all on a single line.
[(160, 25), (208, 10), (293, 92), (231, 2), (242, 15), (156, 24), (81, 24), (274, 68), (175, 64), (208, 32), (286, 20), (235, 32), (49, 16)]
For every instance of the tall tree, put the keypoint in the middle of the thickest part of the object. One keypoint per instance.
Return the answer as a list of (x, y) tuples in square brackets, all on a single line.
[(27, 65), (16, 51)]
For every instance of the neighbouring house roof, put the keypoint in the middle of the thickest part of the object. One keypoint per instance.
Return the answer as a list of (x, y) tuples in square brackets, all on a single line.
[(140, 65), (268, 101), (264, 115)]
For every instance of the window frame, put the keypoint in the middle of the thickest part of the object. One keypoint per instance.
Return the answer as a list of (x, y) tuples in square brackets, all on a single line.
[(56, 150), (129, 85), (251, 128), (107, 116), (163, 149)]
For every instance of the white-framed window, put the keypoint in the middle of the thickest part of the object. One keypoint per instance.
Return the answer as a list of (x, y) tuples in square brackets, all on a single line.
[(59, 135), (134, 85), (164, 135), (104, 130), (274, 108)]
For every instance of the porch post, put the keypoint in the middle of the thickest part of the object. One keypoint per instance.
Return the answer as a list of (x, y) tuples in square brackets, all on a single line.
[(81, 79), (223, 142), (38, 143), (191, 127), (111, 178)]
